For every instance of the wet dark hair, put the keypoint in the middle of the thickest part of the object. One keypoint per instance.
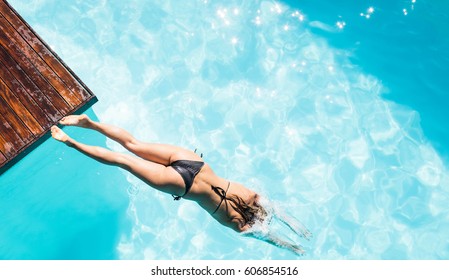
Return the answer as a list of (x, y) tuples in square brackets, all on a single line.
[(249, 213)]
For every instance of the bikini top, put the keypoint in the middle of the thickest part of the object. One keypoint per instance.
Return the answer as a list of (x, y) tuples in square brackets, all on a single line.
[(221, 193)]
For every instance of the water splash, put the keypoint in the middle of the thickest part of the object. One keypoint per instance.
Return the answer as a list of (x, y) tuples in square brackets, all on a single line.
[(279, 229)]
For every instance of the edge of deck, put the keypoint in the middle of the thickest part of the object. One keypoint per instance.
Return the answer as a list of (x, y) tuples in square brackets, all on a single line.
[(92, 99)]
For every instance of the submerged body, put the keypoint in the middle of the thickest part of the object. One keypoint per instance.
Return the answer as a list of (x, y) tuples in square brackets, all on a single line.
[(183, 174)]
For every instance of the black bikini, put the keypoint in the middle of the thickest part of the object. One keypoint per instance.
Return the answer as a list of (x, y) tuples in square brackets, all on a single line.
[(188, 169)]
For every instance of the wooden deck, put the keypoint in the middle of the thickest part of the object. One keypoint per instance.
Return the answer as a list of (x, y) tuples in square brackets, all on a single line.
[(36, 88)]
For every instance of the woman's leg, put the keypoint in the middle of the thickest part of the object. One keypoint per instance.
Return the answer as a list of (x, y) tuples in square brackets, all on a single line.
[(159, 153), (157, 175)]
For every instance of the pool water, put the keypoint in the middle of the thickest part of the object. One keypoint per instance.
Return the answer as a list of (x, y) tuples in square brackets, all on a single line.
[(334, 112)]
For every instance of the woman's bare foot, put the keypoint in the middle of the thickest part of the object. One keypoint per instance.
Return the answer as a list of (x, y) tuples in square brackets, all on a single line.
[(76, 120), (59, 135)]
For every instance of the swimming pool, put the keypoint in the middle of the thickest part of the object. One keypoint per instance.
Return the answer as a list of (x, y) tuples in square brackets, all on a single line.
[(334, 112)]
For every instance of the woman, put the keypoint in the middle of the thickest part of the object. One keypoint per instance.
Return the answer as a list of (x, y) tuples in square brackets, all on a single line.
[(183, 174)]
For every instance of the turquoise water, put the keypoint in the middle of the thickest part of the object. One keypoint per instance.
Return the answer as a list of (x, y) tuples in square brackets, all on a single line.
[(334, 112)]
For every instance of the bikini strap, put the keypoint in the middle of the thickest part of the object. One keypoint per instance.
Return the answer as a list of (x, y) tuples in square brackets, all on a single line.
[(201, 155), (221, 193)]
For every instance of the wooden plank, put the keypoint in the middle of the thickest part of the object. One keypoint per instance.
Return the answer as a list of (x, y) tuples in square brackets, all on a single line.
[(6, 146), (48, 105), (71, 81), (20, 110), (14, 122), (41, 115), (12, 142), (48, 74), (28, 68), (2, 159)]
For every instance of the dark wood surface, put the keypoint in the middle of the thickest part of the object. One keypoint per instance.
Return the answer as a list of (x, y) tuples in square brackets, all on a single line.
[(36, 88)]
